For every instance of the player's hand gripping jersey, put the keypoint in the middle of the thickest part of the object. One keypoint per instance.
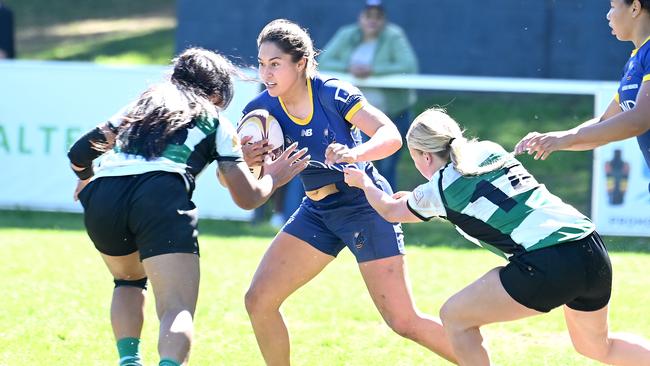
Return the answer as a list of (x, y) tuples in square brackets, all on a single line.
[(506, 209), (334, 102), (635, 73)]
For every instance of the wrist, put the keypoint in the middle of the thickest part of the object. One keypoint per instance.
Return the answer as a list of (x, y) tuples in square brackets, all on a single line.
[(354, 155), (573, 137), (367, 183)]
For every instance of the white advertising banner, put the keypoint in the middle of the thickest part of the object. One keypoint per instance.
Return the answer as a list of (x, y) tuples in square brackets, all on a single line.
[(620, 197), (46, 106)]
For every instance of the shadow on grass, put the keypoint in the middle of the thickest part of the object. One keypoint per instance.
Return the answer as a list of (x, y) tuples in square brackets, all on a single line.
[(431, 234), (20, 219)]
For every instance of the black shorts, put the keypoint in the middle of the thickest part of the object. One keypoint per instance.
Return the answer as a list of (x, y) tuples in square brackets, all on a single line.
[(576, 273), (151, 213)]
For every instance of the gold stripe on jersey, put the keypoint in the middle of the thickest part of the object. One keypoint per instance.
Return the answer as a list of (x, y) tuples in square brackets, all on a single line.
[(634, 51), (353, 111), (296, 120), (646, 78)]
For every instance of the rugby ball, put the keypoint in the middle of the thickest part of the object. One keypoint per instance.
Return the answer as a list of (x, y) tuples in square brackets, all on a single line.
[(260, 125)]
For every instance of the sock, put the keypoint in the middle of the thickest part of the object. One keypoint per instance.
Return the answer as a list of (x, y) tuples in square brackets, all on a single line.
[(128, 349), (168, 362)]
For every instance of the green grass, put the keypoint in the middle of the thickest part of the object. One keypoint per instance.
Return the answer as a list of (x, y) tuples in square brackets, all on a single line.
[(115, 32), (35, 13), (149, 48), (56, 294)]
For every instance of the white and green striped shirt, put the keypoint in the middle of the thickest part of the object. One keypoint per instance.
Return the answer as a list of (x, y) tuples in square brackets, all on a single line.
[(206, 139), (506, 209)]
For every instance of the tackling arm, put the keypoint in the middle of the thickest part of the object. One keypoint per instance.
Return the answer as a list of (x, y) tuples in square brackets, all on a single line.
[(248, 192), (87, 149), (390, 208)]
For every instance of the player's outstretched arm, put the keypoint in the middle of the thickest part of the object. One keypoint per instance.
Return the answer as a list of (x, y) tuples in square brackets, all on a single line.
[(586, 136), (392, 209), (248, 192)]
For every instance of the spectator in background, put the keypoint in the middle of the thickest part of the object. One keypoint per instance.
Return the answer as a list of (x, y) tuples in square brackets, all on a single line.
[(6, 32), (374, 47)]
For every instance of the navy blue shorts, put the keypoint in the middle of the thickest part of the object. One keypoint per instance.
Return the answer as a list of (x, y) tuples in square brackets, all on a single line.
[(345, 219)]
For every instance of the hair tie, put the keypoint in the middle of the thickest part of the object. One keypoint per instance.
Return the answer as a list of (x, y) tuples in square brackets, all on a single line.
[(451, 140)]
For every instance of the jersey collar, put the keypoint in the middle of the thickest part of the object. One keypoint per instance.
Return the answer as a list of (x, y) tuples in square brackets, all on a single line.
[(634, 51), (296, 120)]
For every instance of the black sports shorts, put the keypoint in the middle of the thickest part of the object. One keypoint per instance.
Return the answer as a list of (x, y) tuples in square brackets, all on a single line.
[(151, 213), (576, 273)]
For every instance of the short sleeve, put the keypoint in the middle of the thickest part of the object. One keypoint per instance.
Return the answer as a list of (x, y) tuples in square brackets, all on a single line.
[(227, 141), (342, 97), (425, 202)]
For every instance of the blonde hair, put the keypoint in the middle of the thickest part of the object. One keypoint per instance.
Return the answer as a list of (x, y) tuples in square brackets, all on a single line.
[(434, 131), (293, 40)]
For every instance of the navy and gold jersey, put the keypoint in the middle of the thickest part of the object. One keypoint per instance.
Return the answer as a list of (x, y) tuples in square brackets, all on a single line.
[(636, 72), (334, 102)]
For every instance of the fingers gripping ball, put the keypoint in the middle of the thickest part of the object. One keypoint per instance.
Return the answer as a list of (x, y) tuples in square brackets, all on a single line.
[(260, 125)]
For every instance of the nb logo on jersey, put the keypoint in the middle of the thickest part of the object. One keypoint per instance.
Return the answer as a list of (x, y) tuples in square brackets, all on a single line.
[(306, 132), (341, 95), (630, 87)]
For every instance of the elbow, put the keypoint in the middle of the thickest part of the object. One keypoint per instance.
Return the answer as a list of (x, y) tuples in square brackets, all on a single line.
[(78, 157), (395, 140), (643, 126), (396, 143), (642, 120), (248, 203)]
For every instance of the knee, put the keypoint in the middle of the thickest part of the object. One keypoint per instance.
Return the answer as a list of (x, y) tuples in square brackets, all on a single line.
[(448, 314), (595, 351), (451, 318), (405, 326), (257, 302)]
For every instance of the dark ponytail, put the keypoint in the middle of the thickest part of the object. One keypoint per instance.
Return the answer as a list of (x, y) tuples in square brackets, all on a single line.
[(200, 78)]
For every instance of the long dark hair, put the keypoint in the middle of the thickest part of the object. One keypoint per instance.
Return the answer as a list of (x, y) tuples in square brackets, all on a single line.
[(200, 79)]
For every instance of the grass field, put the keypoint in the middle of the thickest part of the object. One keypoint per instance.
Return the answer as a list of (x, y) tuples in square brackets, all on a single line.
[(54, 310), (115, 31)]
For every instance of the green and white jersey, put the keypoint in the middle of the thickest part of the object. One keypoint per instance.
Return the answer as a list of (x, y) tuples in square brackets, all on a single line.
[(506, 210), (204, 140)]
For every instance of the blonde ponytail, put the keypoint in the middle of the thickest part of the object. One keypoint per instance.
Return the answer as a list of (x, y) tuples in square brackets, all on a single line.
[(434, 131)]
